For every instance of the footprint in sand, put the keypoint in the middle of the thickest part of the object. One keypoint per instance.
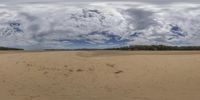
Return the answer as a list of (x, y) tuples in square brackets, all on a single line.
[(70, 70), (4, 81), (66, 75), (91, 69), (46, 72), (110, 65), (119, 71), (32, 97), (29, 65), (79, 70), (65, 66), (12, 92)]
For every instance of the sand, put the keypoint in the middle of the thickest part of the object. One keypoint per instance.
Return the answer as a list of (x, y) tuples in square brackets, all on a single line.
[(100, 75)]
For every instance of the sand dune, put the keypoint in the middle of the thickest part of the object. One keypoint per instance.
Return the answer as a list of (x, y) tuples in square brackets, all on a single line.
[(100, 75)]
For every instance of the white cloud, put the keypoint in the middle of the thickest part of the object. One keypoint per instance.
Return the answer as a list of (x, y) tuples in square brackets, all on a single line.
[(61, 25)]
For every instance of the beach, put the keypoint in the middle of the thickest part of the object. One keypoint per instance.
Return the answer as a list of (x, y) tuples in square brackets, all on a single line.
[(100, 75)]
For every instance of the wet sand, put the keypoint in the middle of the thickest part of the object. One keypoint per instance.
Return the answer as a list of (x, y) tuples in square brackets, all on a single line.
[(100, 75)]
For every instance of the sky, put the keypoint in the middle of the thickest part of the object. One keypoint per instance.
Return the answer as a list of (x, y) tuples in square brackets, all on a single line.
[(57, 24), (149, 1)]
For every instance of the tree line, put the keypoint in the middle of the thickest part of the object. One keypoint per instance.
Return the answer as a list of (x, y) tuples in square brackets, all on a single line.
[(7, 48), (156, 47), (131, 48)]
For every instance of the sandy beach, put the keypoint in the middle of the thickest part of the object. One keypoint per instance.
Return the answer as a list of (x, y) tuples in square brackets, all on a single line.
[(100, 75)]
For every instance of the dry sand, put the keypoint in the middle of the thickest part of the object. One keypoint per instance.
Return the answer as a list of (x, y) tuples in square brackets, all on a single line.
[(100, 75)]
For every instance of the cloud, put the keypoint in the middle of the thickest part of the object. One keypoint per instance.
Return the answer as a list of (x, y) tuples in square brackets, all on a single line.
[(148, 1), (94, 25)]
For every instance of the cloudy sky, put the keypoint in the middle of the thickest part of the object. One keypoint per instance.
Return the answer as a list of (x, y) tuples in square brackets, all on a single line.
[(94, 24), (149, 1)]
